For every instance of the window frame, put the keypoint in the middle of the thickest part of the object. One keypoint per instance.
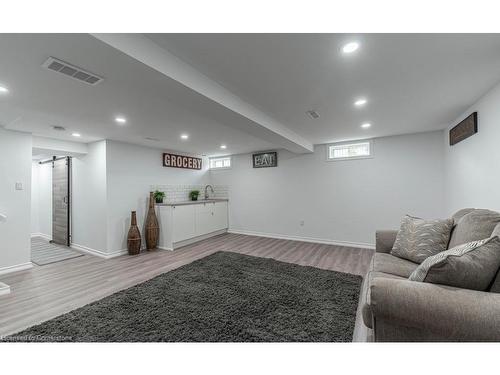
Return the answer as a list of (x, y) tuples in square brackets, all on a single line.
[(220, 168), (370, 156)]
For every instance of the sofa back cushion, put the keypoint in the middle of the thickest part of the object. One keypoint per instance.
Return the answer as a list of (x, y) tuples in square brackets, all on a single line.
[(460, 214), (496, 231), (419, 239), (473, 226), (495, 286), (473, 265)]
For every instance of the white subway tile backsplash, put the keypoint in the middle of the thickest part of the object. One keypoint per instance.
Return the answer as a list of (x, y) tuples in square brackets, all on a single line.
[(179, 193)]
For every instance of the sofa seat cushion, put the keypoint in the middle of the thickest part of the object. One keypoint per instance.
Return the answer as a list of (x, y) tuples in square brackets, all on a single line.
[(366, 310), (474, 226), (390, 264)]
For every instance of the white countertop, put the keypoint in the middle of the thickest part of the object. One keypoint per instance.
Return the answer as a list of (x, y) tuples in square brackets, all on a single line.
[(184, 203)]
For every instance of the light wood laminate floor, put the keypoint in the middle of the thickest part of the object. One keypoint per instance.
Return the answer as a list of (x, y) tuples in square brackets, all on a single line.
[(44, 292)]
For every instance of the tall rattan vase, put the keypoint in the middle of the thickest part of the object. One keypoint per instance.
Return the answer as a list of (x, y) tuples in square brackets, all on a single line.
[(152, 228), (134, 237)]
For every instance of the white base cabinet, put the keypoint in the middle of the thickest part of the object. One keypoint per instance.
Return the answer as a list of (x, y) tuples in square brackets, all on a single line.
[(183, 223), (187, 223)]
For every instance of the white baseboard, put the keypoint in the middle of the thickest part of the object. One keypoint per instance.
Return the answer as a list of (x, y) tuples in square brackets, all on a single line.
[(86, 249), (15, 268), (165, 248), (4, 289), (99, 253), (193, 240), (361, 245), (46, 236)]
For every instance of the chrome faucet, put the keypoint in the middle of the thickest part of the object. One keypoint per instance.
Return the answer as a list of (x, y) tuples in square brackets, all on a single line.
[(206, 191)]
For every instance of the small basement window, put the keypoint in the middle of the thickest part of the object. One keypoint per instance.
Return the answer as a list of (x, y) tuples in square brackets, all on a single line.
[(220, 163), (350, 150)]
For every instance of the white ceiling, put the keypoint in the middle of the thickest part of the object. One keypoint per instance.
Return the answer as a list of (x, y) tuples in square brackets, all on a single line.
[(154, 105), (413, 83)]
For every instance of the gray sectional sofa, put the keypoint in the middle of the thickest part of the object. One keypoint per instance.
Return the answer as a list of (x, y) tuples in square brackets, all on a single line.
[(397, 309)]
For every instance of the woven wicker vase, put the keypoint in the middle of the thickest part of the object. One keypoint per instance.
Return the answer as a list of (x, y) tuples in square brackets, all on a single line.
[(152, 228), (134, 237)]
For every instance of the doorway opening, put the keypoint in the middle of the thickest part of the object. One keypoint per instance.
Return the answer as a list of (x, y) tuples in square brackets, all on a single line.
[(51, 210)]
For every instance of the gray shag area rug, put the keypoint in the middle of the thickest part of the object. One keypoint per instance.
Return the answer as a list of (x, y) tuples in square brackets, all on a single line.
[(224, 297)]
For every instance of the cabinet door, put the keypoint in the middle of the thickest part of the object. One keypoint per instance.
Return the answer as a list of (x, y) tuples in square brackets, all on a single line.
[(183, 218), (220, 216), (204, 218)]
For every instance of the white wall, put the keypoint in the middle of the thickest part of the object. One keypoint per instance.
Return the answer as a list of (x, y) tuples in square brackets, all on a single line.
[(89, 224), (131, 170), (41, 199), (472, 166), (15, 166), (45, 199), (341, 201)]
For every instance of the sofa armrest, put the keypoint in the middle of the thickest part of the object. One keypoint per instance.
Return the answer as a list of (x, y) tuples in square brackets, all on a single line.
[(415, 311), (384, 240)]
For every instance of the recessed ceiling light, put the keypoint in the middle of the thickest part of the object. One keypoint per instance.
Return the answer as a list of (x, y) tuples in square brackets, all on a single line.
[(184, 136), (366, 125), (350, 47), (76, 135), (360, 102), (223, 147), (4, 90), (121, 120)]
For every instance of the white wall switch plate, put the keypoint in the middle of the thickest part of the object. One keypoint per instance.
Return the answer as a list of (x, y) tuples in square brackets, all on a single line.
[(19, 186)]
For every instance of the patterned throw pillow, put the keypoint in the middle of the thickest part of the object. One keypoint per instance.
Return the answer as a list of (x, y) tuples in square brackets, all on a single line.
[(473, 265), (419, 239)]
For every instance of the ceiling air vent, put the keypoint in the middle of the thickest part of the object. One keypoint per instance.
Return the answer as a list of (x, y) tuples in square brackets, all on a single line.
[(71, 71), (313, 114)]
